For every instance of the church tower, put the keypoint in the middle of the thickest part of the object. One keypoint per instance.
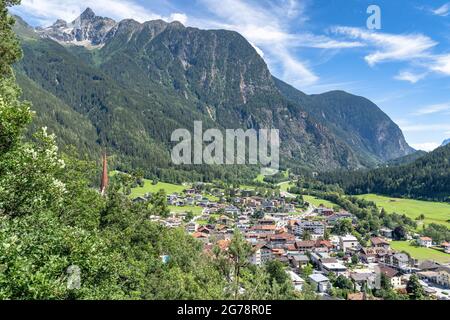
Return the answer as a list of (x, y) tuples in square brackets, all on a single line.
[(105, 178)]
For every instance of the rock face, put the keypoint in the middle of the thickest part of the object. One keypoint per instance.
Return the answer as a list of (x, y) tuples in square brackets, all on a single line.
[(87, 29), (147, 79)]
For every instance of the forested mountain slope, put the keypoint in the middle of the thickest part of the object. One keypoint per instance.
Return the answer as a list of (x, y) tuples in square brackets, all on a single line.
[(131, 84)]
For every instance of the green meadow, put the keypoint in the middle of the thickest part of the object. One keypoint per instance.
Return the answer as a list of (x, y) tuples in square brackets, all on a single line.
[(151, 188), (435, 212), (421, 253), (317, 201)]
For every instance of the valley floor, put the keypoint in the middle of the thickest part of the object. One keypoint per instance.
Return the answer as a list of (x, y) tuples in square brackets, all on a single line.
[(435, 212)]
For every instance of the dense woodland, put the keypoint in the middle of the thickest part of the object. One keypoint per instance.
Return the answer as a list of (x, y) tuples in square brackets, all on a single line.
[(426, 178)]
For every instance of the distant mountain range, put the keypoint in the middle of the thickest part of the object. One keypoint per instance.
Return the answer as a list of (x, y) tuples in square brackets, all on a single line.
[(446, 142), (127, 85)]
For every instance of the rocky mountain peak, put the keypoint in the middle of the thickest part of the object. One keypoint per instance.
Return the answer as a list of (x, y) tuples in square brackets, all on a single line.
[(88, 29), (87, 14)]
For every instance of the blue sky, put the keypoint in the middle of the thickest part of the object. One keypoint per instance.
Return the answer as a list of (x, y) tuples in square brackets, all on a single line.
[(321, 45)]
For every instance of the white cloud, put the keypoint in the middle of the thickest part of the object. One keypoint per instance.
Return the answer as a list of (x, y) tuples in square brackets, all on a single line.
[(47, 11), (410, 76), (426, 146), (266, 25), (442, 11), (390, 47), (436, 127), (441, 64), (435, 108)]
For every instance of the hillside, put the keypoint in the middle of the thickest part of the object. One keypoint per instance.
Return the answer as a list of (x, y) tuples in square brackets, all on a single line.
[(426, 178), (132, 84)]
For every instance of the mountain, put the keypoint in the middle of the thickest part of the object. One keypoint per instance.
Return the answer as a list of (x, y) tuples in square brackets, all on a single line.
[(131, 84), (407, 159), (446, 142), (426, 178), (87, 29)]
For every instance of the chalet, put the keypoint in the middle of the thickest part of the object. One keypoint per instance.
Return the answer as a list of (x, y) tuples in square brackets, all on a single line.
[(324, 211), (269, 229), (425, 242), (446, 247), (378, 242), (298, 260), (305, 246), (372, 255), (398, 260), (201, 236), (392, 274), (262, 253)]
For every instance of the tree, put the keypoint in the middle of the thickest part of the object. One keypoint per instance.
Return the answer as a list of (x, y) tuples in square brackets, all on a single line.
[(400, 233), (306, 235), (385, 282), (414, 288), (159, 204), (189, 216), (343, 227), (239, 253), (276, 271), (307, 270), (355, 259)]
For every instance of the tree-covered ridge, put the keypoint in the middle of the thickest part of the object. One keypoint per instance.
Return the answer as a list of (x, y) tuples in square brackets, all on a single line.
[(145, 80), (426, 178)]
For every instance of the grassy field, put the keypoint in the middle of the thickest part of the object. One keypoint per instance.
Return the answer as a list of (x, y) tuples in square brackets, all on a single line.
[(149, 187), (421, 253), (435, 212), (317, 202)]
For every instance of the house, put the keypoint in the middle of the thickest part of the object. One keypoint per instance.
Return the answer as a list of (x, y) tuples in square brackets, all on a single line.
[(334, 267), (191, 227), (296, 280), (425, 242), (364, 280), (386, 232), (305, 246), (315, 228), (399, 260), (348, 242), (139, 200), (319, 282), (262, 253), (298, 261), (201, 236), (324, 211), (333, 219), (446, 247), (269, 229), (378, 242), (232, 210), (372, 255), (392, 274), (441, 277)]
